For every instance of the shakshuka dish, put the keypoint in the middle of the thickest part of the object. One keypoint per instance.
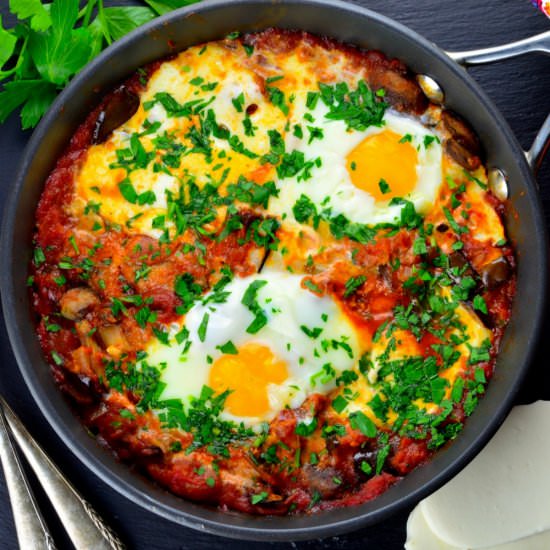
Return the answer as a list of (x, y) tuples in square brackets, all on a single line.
[(270, 273)]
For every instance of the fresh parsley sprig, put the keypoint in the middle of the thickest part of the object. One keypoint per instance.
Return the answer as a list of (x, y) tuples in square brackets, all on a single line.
[(50, 43)]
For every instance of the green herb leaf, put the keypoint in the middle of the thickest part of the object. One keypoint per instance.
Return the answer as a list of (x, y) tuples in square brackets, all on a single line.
[(277, 97), (353, 284), (39, 257), (339, 403), (58, 54), (312, 333), (308, 283), (7, 44), (17, 92), (471, 177), (250, 296), (359, 108), (128, 191), (34, 10), (428, 140), (366, 467), (201, 331), (479, 304), (359, 421), (228, 348), (165, 6), (122, 20), (260, 497), (419, 246), (188, 291), (36, 105), (382, 453), (259, 322), (384, 186), (305, 429), (304, 209)]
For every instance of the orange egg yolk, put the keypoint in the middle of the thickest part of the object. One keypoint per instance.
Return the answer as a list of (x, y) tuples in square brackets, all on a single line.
[(384, 156), (247, 374)]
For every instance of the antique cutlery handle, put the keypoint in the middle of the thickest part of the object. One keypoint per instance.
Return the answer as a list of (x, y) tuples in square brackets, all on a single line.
[(83, 525), (29, 524)]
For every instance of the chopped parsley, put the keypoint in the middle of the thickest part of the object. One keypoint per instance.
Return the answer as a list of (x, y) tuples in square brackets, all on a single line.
[(228, 348), (250, 301), (353, 284), (384, 187), (358, 108), (305, 429), (277, 97), (201, 331), (260, 497)]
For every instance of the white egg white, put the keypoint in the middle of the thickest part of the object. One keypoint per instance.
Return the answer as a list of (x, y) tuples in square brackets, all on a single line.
[(330, 185), (288, 307)]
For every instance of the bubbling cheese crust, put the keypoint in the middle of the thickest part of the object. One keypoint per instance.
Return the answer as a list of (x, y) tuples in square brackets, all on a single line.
[(279, 272)]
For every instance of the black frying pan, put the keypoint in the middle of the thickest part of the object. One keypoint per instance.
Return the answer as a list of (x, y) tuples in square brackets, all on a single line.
[(213, 20)]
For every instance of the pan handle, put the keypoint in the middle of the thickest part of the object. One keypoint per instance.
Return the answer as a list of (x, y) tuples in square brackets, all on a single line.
[(540, 146), (537, 43)]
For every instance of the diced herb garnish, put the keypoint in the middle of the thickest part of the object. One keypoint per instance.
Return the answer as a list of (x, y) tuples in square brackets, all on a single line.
[(339, 403), (228, 348), (305, 429), (201, 331), (359, 421), (353, 284), (358, 108), (260, 497)]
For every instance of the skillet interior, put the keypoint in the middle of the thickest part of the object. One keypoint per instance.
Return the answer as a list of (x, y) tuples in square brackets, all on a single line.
[(213, 20)]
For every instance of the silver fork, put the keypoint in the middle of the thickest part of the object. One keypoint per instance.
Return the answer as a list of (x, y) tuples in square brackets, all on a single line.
[(84, 526)]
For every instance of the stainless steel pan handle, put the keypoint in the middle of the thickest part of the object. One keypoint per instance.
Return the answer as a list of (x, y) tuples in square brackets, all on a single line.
[(540, 146), (538, 43)]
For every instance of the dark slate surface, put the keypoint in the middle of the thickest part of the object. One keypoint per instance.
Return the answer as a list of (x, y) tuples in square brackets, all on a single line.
[(520, 88)]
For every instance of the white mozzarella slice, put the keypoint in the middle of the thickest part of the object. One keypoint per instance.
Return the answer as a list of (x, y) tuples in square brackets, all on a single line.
[(540, 541), (421, 537), (504, 494)]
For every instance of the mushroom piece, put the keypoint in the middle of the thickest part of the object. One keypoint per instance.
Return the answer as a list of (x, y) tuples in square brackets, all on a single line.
[(463, 144), (364, 462), (457, 259), (113, 339), (322, 480), (120, 107), (76, 301), (402, 91), (82, 362), (495, 272)]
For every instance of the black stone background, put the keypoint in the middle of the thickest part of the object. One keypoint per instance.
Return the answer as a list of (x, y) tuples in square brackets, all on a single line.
[(521, 90)]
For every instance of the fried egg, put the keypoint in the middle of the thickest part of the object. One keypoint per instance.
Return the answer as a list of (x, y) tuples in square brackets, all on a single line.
[(306, 342), (359, 172), (171, 148), (365, 388)]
